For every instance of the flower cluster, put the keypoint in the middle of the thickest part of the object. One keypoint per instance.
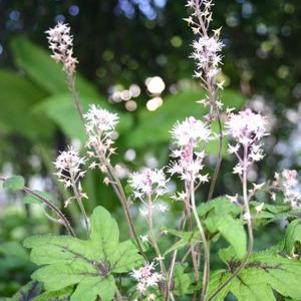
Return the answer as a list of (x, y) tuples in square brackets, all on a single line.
[(100, 126), (207, 48), (206, 53), (148, 183), (61, 44), (189, 136), (287, 181), (247, 129), (147, 277), (68, 165)]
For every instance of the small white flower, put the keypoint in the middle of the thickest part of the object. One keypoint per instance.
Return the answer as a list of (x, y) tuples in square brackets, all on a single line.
[(247, 216), (144, 238), (259, 208), (151, 297), (233, 199), (163, 208)]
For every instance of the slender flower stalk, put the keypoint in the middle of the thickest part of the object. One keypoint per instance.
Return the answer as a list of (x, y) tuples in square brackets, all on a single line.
[(148, 185), (206, 273), (207, 48), (247, 129), (190, 137), (62, 218)]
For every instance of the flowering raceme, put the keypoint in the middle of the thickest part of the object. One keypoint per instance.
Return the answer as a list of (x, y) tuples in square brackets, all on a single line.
[(147, 277), (189, 136), (61, 43), (100, 126), (287, 181), (148, 182), (247, 129), (207, 48), (68, 165)]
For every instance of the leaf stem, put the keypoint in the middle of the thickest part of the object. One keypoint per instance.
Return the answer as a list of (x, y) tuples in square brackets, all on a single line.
[(249, 226), (75, 95), (219, 158), (152, 236), (78, 198), (52, 207), (206, 274)]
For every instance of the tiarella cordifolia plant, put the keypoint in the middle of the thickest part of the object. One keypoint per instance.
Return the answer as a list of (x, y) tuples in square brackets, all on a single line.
[(151, 266)]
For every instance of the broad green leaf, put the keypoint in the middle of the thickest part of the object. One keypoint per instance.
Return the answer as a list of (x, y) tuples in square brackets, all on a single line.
[(28, 292), (45, 71), (175, 108), (219, 204), (61, 110), (233, 231), (90, 288), (220, 215), (89, 264), (227, 254), (265, 272), (293, 238), (18, 96), (61, 295), (14, 183)]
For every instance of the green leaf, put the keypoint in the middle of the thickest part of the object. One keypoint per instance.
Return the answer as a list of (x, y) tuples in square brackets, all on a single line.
[(89, 264), (61, 295), (265, 272), (175, 108), (293, 238), (90, 288), (45, 71), (220, 215), (18, 96), (233, 231), (186, 238), (60, 109), (14, 183), (28, 292), (15, 249), (219, 204)]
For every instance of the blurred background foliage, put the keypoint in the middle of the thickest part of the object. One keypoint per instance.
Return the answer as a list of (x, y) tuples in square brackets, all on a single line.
[(134, 60)]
